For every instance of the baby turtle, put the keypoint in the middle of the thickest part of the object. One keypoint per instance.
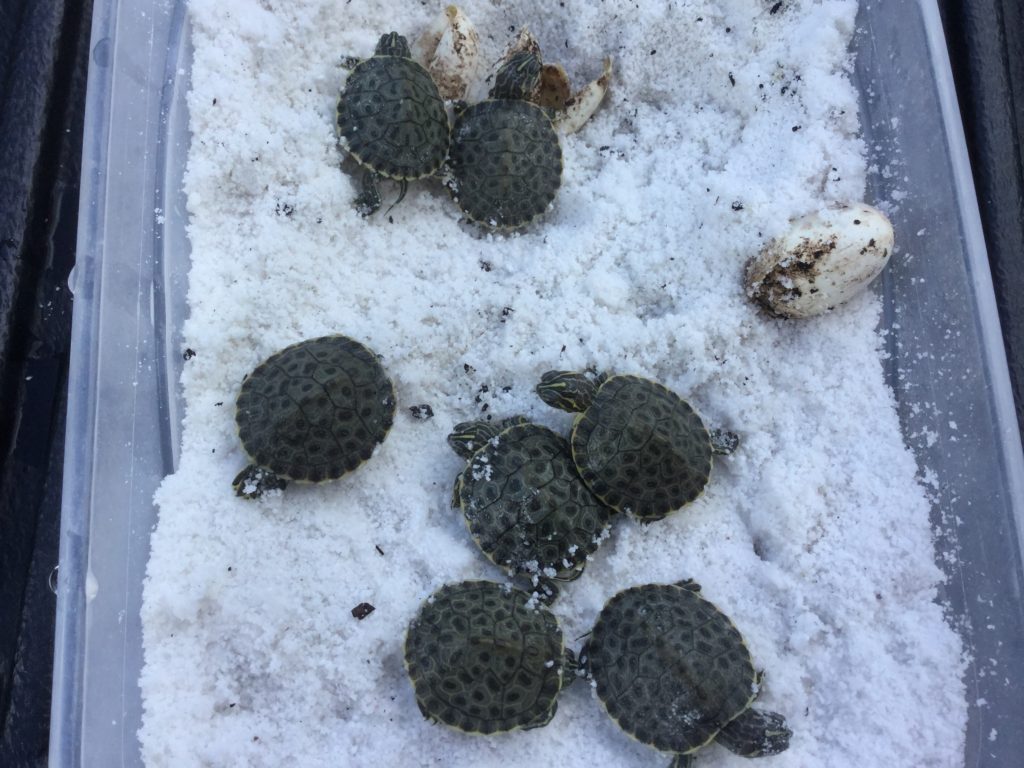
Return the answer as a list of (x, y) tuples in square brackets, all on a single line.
[(505, 163), (311, 412), (483, 658), (673, 672), (568, 110), (639, 446), (391, 119), (524, 504)]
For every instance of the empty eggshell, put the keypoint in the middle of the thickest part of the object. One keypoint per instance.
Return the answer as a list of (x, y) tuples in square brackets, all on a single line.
[(450, 50), (825, 259)]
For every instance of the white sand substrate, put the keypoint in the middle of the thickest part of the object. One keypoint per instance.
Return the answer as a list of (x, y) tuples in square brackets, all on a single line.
[(724, 121)]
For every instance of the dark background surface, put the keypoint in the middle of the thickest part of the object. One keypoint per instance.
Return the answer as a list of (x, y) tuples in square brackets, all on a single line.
[(43, 60)]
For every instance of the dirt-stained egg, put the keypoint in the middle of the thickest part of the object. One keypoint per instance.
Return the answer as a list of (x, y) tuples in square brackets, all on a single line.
[(450, 50), (825, 259)]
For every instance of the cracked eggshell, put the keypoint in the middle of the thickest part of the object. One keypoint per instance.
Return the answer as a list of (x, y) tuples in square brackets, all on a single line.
[(450, 51), (479, 88), (824, 260)]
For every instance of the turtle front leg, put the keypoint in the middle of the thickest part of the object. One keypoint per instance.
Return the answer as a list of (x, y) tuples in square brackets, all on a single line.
[(457, 493), (448, 180), (724, 442), (368, 201), (546, 590), (253, 481)]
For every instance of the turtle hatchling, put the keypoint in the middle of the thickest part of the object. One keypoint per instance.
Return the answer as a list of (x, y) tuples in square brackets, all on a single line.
[(673, 672), (311, 413), (391, 120), (569, 111), (483, 658), (505, 162), (524, 503), (637, 445)]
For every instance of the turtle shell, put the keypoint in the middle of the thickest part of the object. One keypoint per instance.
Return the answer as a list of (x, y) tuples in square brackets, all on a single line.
[(483, 658), (505, 162), (315, 410), (526, 506), (670, 668), (641, 448), (391, 118)]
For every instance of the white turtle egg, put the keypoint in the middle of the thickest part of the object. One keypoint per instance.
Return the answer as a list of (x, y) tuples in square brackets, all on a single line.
[(825, 259), (450, 51)]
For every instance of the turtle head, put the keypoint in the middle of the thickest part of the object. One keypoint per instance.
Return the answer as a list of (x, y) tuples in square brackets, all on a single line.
[(393, 44), (568, 390), (756, 733), (518, 77), (470, 436)]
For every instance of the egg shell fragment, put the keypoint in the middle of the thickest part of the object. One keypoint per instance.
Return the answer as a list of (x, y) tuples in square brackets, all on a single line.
[(824, 260)]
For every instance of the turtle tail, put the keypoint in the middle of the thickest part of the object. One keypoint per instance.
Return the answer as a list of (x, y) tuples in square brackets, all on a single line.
[(403, 187)]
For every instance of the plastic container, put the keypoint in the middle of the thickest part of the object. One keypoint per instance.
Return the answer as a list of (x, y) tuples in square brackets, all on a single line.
[(946, 364)]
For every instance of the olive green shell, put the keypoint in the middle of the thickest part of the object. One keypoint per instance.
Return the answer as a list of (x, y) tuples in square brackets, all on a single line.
[(392, 119), (669, 667), (641, 448), (526, 506), (315, 410), (482, 658), (505, 162)]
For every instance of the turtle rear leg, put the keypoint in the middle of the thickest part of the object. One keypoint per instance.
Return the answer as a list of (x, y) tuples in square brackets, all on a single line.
[(756, 733), (368, 200), (683, 761)]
